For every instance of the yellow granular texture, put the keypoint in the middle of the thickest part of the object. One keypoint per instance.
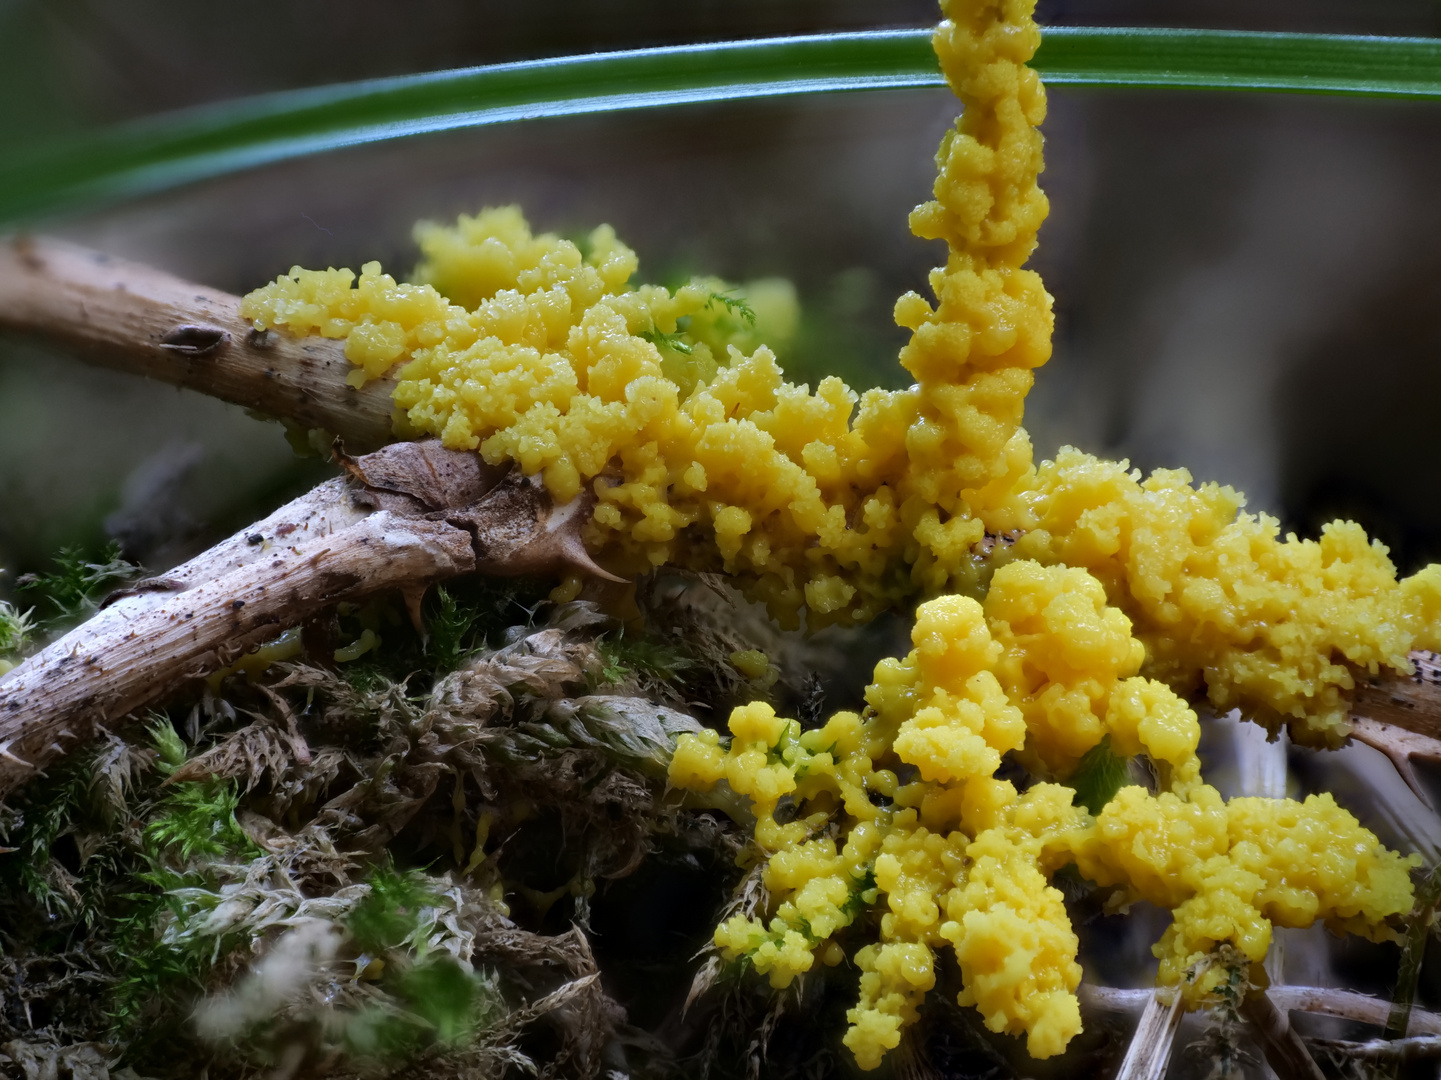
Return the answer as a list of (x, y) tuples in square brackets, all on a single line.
[(956, 858), (1230, 871), (1064, 649), (1276, 625), (671, 411), (844, 504)]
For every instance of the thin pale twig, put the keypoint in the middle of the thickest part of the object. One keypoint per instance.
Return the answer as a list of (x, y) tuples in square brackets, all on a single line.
[(1322, 1000), (1285, 1052), (1150, 1049), (1387, 1051)]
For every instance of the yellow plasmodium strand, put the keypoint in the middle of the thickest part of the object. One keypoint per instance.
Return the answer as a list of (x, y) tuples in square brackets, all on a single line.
[(956, 859)]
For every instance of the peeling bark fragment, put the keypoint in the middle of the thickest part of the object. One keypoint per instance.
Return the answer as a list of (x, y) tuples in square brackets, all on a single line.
[(1412, 702), (439, 479), (1402, 748), (518, 530), (1400, 715)]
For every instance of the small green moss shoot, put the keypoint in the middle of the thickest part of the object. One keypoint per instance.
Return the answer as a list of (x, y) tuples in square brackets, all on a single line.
[(441, 1002), (392, 913), (16, 628), (189, 824), (463, 617), (734, 305), (42, 824), (625, 654), (1099, 776), (674, 342), (71, 591)]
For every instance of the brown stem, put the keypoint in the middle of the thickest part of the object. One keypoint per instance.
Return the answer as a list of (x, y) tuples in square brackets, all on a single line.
[(1411, 702), (145, 645), (133, 318), (1285, 1052), (417, 514)]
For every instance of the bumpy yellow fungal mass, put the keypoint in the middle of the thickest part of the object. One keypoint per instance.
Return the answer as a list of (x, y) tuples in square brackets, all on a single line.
[(899, 811), (1118, 595), (1277, 626)]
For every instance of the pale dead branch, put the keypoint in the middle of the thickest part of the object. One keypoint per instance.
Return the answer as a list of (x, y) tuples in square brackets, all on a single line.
[(1400, 715), (340, 542), (1150, 1049), (1323, 1000), (1285, 1052), (142, 647), (133, 318), (1390, 1052)]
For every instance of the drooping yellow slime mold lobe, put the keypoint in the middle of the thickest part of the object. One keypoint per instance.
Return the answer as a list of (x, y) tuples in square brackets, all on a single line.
[(960, 861)]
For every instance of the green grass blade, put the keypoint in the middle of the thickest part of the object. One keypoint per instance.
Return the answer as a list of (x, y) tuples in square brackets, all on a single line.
[(178, 148), (167, 151), (1242, 60)]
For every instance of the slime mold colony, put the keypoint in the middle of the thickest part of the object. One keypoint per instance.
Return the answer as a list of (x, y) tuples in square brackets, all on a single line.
[(1120, 598)]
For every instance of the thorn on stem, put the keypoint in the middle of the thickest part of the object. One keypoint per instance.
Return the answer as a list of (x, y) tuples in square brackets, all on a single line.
[(1401, 748)]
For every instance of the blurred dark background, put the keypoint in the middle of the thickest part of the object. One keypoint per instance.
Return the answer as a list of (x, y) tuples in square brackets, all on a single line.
[(1247, 285)]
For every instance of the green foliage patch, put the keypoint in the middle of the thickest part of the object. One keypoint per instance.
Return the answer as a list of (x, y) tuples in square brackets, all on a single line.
[(625, 654), (1099, 776), (72, 590)]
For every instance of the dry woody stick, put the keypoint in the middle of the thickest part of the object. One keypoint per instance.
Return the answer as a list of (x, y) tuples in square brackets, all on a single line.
[(147, 644), (412, 514), (1150, 1049), (134, 318), (1322, 1000)]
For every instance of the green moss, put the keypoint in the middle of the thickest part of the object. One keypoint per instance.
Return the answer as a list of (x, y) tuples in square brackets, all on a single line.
[(16, 626), (674, 342), (462, 617), (735, 306), (71, 590), (391, 914), (441, 1005), (47, 817), (193, 818), (624, 654), (1099, 776)]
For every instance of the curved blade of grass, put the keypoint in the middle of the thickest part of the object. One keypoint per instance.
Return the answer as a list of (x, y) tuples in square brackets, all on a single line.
[(1242, 60), (166, 151)]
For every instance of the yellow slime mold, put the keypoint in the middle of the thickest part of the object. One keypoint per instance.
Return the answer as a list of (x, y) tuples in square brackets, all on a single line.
[(1119, 594), (956, 857), (699, 453)]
